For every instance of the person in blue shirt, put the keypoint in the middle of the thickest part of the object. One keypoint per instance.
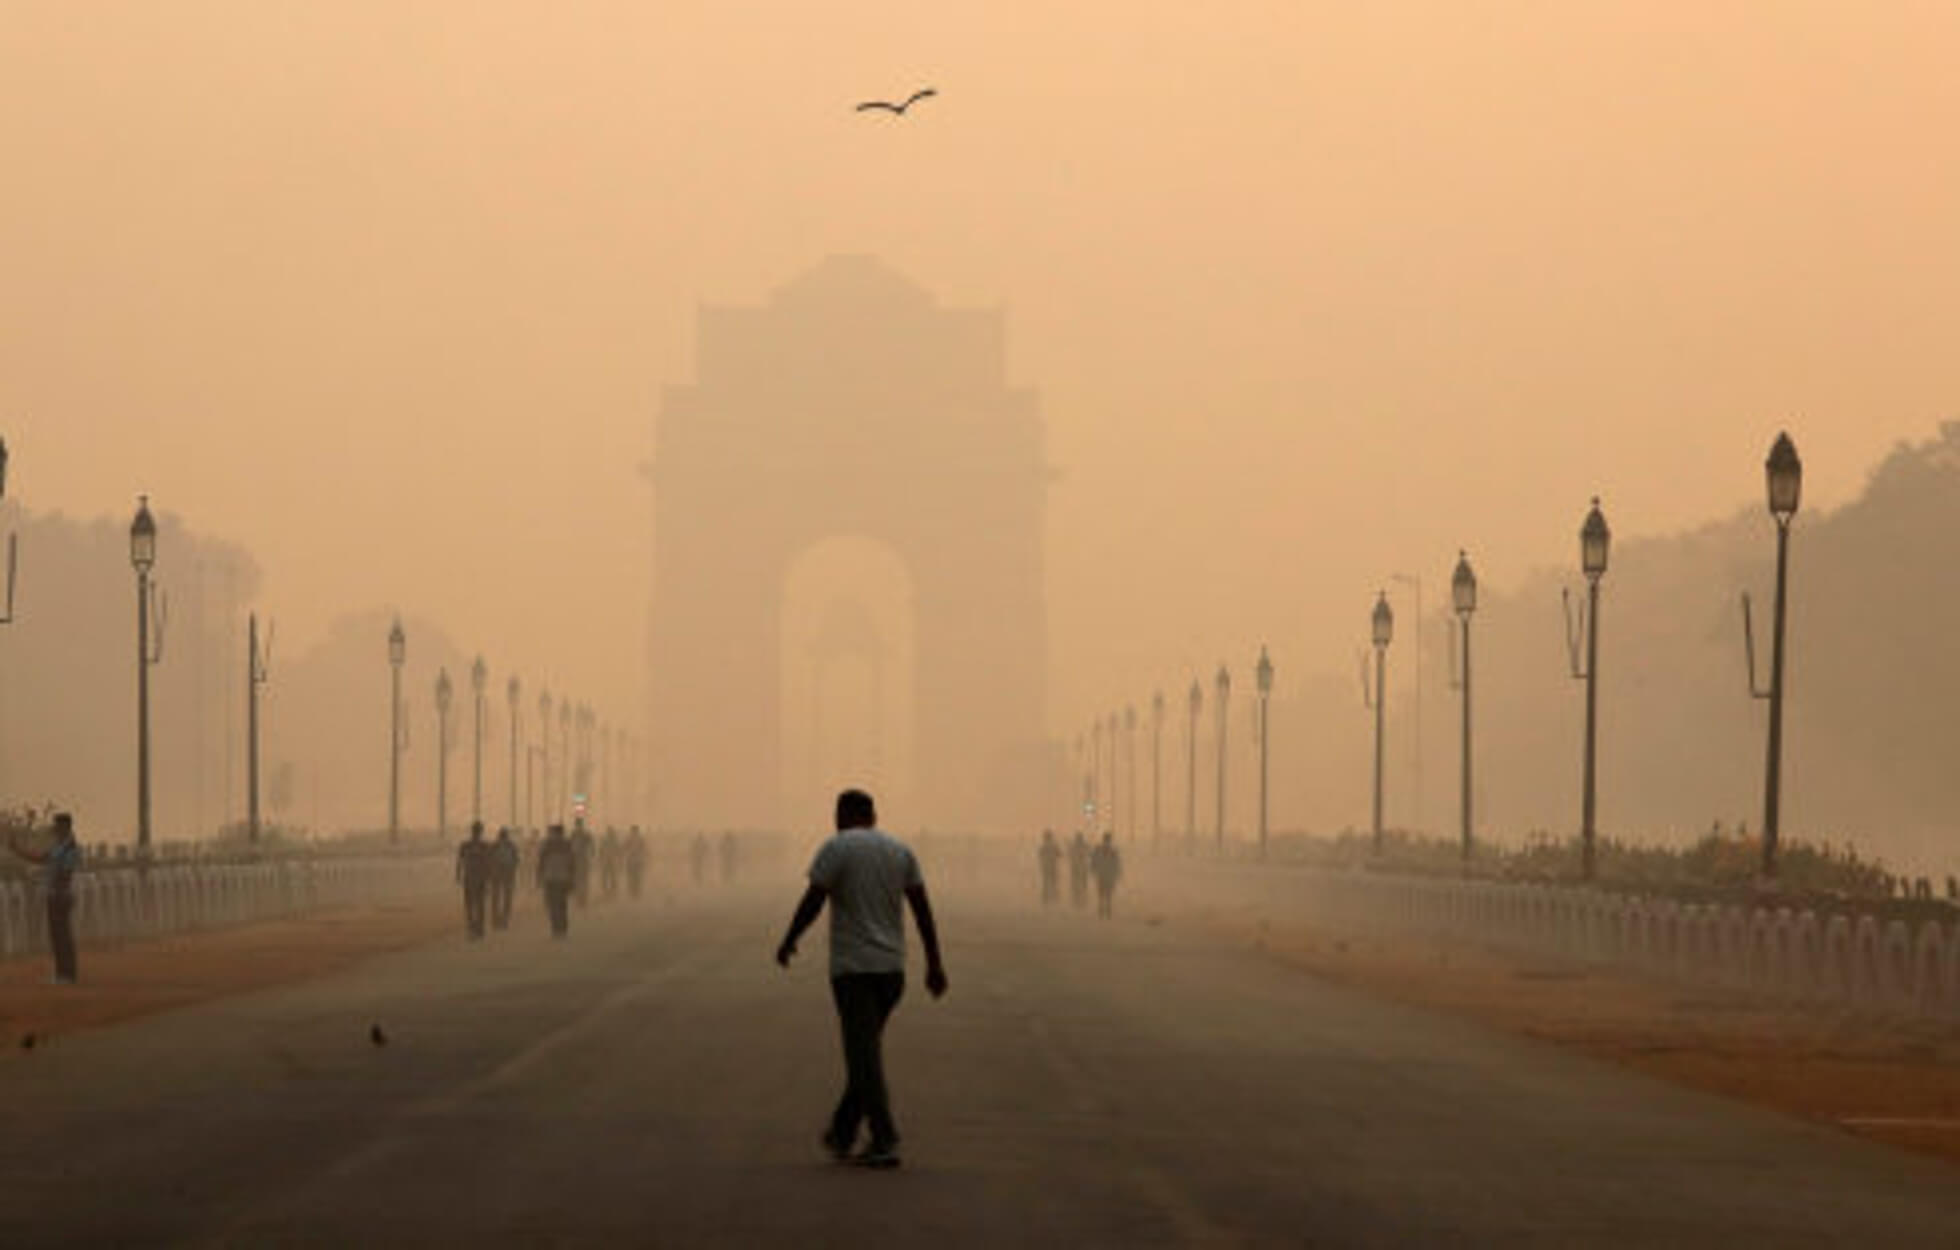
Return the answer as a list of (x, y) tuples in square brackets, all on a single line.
[(59, 864)]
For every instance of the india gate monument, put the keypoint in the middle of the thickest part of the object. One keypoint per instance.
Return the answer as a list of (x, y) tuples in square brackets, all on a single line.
[(849, 424)]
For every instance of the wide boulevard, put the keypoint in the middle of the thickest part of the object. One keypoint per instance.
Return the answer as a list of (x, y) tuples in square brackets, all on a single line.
[(656, 1080)]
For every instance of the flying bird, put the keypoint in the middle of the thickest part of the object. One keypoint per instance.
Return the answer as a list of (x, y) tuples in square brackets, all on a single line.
[(897, 110)]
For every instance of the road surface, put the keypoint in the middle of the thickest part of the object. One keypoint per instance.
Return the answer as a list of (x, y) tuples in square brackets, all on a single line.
[(657, 1081)]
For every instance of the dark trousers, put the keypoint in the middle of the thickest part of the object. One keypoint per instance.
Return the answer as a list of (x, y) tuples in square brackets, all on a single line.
[(1105, 896), (864, 1002), (61, 934), (557, 902), (473, 894), (501, 889)]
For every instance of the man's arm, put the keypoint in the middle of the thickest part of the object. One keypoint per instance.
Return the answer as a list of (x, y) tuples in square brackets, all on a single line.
[(929, 935), (807, 911)]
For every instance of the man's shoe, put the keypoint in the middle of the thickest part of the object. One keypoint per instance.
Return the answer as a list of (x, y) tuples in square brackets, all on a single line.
[(838, 1148), (876, 1156)]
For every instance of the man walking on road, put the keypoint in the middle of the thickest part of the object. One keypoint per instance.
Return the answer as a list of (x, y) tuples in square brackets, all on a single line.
[(1078, 870), (59, 864), (503, 878), (557, 871), (473, 871), (1049, 857), (1107, 866), (866, 876)]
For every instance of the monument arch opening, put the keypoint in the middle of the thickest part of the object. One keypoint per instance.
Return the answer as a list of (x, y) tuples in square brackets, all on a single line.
[(850, 404)]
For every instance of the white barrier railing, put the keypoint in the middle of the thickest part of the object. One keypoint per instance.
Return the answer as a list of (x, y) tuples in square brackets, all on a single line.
[(1855, 962), (126, 903)]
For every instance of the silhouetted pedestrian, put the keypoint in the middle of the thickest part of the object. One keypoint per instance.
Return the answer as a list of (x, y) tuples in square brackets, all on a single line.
[(867, 877), (1078, 870), (504, 858), (1106, 865), (636, 862), (1049, 857), (557, 874), (59, 864), (611, 861), (474, 869)]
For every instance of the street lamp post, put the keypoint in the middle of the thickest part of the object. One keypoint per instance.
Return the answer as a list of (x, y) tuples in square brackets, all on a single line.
[(1264, 675), (544, 753), (143, 558), (1197, 704), (445, 693), (1595, 544), (258, 671), (1156, 770), (564, 757), (1381, 632), (1223, 684), (1463, 595), (397, 653), (513, 689), (1095, 775), (1784, 473), (13, 542), (479, 682), (1130, 764)]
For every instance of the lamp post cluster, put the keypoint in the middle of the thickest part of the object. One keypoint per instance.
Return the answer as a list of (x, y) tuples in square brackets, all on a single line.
[(1089, 754), (557, 779), (1783, 472)]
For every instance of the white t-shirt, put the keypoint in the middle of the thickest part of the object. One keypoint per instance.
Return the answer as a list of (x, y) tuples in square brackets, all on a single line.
[(866, 873)]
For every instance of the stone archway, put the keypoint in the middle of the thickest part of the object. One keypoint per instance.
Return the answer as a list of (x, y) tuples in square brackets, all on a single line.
[(851, 404)]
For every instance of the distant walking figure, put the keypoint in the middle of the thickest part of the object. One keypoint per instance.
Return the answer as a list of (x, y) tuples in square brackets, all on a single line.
[(866, 876), (1049, 856), (636, 862), (557, 873), (1078, 870), (474, 868), (59, 864), (897, 110), (1106, 865), (504, 857), (584, 847)]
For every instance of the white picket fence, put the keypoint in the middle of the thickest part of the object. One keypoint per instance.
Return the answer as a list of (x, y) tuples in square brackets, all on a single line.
[(1849, 961), (125, 903)]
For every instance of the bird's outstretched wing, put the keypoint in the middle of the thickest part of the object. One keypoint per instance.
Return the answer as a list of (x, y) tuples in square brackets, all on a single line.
[(887, 106), (924, 93)]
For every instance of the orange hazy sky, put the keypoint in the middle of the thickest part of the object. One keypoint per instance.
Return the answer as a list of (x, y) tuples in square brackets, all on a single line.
[(1312, 292)]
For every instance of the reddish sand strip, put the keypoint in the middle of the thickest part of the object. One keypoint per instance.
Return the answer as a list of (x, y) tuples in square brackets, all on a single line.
[(1895, 1082), (138, 978)]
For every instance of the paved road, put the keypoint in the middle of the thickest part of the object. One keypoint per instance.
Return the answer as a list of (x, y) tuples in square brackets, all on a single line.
[(657, 1081)]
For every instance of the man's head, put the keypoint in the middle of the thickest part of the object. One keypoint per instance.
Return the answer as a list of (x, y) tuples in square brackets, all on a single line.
[(476, 831), (503, 833), (64, 826), (855, 810), (556, 831)]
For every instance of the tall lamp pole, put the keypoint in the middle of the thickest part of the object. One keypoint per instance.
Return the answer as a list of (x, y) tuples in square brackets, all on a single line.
[(397, 653), (1156, 770), (1223, 684), (1264, 675), (445, 693), (1415, 581), (258, 671), (1130, 763), (1197, 704), (1784, 473), (479, 682), (544, 754), (1595, 544), (143, 558), (513, 689), (1463, 596), (1381, 633)]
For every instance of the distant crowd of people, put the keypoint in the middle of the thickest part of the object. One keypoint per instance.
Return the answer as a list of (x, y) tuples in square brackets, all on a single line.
[(563, 865), (1101, 863)]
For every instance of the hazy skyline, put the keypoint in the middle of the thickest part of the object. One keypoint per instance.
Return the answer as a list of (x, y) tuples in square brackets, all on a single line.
[(386, 294)]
